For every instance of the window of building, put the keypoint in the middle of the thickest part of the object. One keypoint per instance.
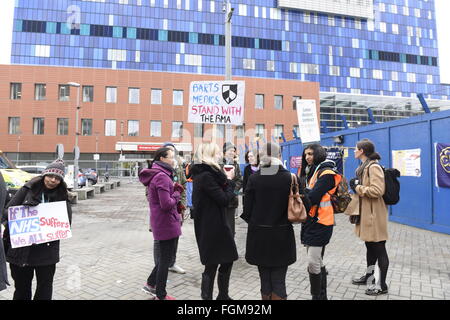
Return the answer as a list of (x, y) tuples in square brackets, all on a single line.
[(133, 128), (111, 95), (220, 131), (395, 28), (155, 128), (259, 128), (429, 78), (16, 91), (110, 128), (63, 127), (294, 101), (14, 125), (377, 74), (240, 131), (88, 93), (259, 101), (279, 128), (177, 97), (278, 102), (156, 97), (335, 70), (411, 77), (309, 68), (133, 95), (249, 64), (40, 91), (394, 75), (38, 126), (270, 65), (64, 92), (177, 129), (198, 130), (355, 72), (86, 127)]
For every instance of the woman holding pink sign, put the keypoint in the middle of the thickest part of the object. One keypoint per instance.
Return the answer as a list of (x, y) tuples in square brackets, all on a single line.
[(37, 258)]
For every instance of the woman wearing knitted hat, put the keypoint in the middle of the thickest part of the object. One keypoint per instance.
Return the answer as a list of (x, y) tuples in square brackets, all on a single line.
[(39, 258)]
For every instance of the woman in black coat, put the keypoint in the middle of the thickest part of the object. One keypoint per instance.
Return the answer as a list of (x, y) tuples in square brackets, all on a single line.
[(40, 258), (270, 236), (252, 160), (3, 273), (213, 190)]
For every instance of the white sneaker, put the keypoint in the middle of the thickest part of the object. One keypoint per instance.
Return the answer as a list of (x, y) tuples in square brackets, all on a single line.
[(177, 269)]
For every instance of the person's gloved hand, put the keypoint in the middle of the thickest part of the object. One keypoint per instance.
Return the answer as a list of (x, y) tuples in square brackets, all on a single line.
[(180, 208), (353, 183), (178, 187)]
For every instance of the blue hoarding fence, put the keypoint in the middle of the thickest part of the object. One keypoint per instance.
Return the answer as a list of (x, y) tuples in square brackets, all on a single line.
[(423, 203)]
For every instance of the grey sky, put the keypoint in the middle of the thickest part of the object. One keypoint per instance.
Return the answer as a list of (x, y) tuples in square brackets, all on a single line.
[(443, 25)]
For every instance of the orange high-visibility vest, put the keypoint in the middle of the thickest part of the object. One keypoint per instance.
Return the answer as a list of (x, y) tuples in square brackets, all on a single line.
[(326, 212), (187, 173)]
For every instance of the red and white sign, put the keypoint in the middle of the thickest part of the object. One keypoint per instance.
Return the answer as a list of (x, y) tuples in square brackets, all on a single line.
[(150, 147)]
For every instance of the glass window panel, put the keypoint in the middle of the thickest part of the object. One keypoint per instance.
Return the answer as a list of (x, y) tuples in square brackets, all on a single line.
[(14, 125), (259, 101), (64, 92), (156, 97), (133, 128), (278, 102), (133, 95), (177, 129), (110, 128), (88, 93), (16, 91), (155, 128), (86, 127), (38, 126), (39, 91), (111, 94), (63, 127), (177, 97)]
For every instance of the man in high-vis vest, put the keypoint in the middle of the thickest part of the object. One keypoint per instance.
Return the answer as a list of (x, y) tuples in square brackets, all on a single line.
[(321, 181)]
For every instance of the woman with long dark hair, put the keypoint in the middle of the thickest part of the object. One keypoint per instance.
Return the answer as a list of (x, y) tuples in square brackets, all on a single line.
[(372, 225), (320, 180), (163, 197)]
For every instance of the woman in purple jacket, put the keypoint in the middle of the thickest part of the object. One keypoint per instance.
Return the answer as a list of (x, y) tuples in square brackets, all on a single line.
[(163, 197)]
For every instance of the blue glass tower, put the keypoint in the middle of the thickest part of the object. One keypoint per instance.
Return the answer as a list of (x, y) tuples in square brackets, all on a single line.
[(389, 49)]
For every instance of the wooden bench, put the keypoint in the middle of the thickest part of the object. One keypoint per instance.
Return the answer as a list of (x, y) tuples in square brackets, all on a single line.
[(85, 193), (99, 188)]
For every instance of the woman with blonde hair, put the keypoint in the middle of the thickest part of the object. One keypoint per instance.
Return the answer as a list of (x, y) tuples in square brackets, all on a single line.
[(213, 190)]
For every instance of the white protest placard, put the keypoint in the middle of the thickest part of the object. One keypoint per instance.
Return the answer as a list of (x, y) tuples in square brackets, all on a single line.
[(217, 102), (40, 224), (307, 121)]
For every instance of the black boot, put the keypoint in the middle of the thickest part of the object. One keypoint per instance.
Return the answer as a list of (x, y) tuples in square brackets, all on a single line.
[(316, 281), (223, 282), (323, 286), (362, 280), (207, 287)]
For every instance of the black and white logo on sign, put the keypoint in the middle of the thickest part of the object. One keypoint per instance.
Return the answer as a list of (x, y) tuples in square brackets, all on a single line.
[(229, 92)]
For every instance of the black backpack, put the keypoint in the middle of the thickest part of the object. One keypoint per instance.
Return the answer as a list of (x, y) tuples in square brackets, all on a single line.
[(391, 194)]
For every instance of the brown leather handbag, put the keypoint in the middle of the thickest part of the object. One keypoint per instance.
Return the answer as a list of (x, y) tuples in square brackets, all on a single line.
[(296, 209)]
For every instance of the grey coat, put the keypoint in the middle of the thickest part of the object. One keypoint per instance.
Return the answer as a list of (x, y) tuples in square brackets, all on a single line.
[(3, 273)]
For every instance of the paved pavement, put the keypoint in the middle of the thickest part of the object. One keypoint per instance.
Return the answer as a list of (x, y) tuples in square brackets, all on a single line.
[(110, 257)]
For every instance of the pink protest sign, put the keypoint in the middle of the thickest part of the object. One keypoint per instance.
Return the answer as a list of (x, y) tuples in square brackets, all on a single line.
[(34, 225)]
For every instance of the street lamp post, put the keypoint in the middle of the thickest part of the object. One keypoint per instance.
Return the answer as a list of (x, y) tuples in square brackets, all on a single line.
[(228, 10), (76, 149)]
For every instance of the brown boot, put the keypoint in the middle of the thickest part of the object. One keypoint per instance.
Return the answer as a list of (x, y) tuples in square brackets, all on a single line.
[(266, 296), (276, 297)]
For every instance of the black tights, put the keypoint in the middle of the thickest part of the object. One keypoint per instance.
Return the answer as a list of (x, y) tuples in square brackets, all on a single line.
[(376, 251), (211, 269)]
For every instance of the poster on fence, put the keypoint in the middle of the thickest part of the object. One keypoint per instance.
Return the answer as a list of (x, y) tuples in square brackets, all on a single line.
[(217, 102), (40, 224), (407, 162), (443, 165), (336, 154)]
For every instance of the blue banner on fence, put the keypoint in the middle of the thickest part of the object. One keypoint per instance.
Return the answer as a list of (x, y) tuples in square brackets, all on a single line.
[(443, 165), (336, 154)]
